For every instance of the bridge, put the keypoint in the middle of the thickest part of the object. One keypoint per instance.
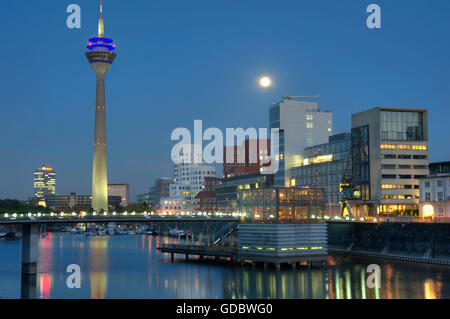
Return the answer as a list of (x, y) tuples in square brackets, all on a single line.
[(30, 234)]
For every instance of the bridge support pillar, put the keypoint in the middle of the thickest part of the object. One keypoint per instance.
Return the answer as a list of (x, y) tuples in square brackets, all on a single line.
[(172, 257), (186, 257), (29, 261)]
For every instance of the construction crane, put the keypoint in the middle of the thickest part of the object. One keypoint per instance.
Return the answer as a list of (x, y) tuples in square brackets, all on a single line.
[(288, 97)]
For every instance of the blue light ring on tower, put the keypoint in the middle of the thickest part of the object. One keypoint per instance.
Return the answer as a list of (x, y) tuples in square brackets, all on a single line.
[(91, 46), (98, 40), (102, 61)]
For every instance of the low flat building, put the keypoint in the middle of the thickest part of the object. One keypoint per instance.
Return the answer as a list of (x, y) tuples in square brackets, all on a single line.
[(77, 202), (435, 197), (281, 205), (172, 205), (147, 198), (283, 225)]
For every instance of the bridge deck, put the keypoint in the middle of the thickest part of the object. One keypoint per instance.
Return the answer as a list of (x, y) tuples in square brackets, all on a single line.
[(131, 219)]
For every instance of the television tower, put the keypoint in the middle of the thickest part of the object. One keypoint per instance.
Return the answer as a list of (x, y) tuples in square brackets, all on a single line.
[(100, 57)]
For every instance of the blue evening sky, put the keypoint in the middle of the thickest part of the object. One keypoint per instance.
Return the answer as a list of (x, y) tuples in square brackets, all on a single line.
[(180, 60)]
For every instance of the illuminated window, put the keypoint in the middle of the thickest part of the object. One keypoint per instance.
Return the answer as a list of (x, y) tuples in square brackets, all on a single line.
[(309, 125)]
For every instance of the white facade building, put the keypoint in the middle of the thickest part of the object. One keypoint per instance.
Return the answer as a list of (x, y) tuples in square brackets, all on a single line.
[(435, 196), (188, 177)]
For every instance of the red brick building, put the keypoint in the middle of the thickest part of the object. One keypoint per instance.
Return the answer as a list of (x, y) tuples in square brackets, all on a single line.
[(246, 159), (206, 199)]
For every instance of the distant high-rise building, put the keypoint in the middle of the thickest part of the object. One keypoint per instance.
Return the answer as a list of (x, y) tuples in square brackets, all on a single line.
[(301, 124), (162, 186), (44, 182), (122, 190)]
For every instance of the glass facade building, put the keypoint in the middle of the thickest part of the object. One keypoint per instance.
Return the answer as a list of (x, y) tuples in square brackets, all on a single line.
[(401, 126), (324, 166), (281, 205), (227, 191)]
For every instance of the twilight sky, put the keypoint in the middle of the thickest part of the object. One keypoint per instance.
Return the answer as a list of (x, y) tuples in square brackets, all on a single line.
[(180, 60)]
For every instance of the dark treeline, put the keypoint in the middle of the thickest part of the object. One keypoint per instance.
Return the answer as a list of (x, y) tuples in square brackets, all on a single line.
[(17, 206)]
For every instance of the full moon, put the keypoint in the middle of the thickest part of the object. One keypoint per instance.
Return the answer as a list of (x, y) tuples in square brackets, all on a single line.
[(265, 81)]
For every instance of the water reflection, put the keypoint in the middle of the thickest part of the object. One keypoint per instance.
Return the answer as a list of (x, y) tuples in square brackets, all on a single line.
[(132, 267), (98, 252)]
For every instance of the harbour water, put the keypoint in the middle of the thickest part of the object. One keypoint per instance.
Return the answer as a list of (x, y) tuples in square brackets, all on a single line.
[(130, 266)]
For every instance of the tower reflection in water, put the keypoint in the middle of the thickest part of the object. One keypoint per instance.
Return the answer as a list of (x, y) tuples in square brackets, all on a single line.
[(98, 276)]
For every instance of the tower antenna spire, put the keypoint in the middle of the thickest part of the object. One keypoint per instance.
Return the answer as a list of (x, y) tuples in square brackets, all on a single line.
[(100, 23)]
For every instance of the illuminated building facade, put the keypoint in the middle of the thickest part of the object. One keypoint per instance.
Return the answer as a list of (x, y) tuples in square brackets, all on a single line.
[(301, 124), (227, 191), (281, 205), (324, 166), (44, 182), (100, 57), (435, 196), (172, 205), (389, 156)]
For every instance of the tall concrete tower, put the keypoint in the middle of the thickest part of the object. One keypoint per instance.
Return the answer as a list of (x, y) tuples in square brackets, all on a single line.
[(100, 57)]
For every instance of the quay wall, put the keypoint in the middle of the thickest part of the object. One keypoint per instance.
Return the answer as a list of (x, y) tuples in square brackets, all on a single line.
[(419, 242)]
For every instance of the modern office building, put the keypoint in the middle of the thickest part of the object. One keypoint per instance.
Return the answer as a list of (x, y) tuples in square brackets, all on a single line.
[(162, 188), (100, 57), (247, 158), (281, 205), (227, 191), (389, 156), (44, 182), (435, 196), (189, 174), (323, 167), (148, 198), (122, 190), (301, 124), (205, 201)]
